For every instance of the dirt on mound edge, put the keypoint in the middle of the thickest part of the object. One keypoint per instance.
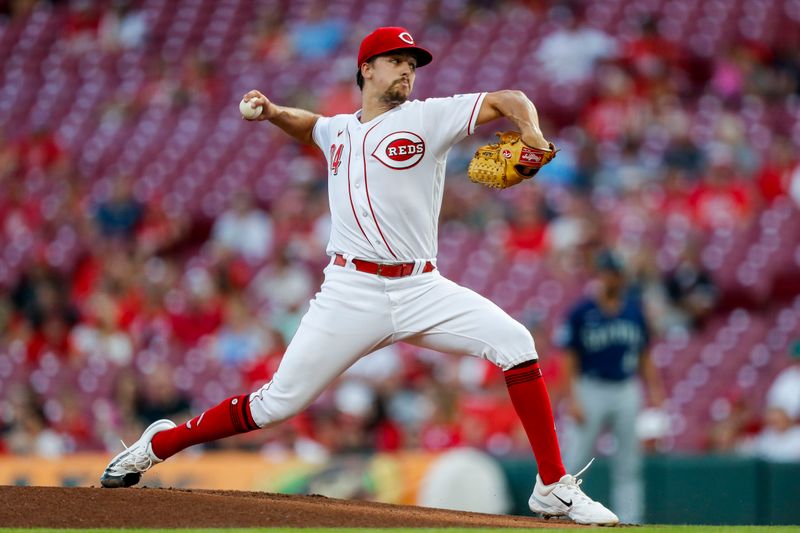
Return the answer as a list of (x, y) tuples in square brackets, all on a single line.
[(89, 507)]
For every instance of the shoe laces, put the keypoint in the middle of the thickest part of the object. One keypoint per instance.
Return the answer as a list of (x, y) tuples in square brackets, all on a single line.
[(572, 484), (138, 460)]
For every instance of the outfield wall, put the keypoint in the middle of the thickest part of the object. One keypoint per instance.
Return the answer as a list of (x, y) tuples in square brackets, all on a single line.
[(696, 489), (689, 490)]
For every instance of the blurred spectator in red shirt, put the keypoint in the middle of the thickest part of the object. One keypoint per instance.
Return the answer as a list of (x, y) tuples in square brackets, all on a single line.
[(676, 190), (442, 429), (261, 370), (617, 112), (197, 312), (775, 174), (527, 230), (41, 298), (159, 230), (39, 151), (87, 273), (72, 424), (51, 338), (83, 23), (489, 422), (649, 55), (721, 199), (387, 435)]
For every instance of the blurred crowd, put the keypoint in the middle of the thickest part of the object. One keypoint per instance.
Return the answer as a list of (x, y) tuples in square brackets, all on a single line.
[(127, 311), (772, 433)]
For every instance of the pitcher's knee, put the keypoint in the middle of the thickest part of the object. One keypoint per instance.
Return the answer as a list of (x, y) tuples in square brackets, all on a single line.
[(515, 346), (269, 408)]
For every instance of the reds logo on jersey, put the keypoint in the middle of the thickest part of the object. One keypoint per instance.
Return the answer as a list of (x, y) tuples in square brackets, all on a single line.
[(400, 150)]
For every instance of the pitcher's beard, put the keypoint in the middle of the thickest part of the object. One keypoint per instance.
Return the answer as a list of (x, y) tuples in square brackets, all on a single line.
[(394, 96)]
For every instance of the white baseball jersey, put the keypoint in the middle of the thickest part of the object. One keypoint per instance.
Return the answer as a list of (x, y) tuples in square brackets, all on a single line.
[(386, 177)]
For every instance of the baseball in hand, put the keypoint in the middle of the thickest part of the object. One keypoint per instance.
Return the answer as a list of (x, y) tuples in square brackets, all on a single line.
[(249, 112)]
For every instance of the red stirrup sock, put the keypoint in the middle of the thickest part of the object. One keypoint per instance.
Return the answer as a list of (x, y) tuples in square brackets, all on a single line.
[(230, 417), (532, 403)]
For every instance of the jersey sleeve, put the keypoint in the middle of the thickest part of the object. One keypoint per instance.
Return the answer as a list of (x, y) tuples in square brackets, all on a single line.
[(321, 133), (449, 120)]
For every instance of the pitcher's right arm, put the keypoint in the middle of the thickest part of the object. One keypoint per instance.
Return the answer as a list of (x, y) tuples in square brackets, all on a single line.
[(297, 123)]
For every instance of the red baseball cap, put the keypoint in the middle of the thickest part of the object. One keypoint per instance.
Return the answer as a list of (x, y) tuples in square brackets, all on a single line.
[(391, 39)]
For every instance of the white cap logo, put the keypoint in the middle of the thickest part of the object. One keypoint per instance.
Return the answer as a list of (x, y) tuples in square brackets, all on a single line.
[(406, 37)]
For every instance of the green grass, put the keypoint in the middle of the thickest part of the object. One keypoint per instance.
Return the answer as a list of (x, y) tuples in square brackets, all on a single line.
[(637, 529)]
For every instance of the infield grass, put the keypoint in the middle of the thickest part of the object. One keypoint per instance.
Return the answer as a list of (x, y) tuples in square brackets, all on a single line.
[(637, 529)]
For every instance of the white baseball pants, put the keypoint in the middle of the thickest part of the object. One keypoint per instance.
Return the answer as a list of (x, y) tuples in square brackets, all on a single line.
[(356, 313)]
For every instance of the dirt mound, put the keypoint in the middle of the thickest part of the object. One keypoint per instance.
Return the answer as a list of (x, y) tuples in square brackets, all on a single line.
[(82, 507)]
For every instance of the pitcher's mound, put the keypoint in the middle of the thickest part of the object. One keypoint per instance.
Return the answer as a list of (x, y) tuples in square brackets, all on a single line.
[(81, 507)]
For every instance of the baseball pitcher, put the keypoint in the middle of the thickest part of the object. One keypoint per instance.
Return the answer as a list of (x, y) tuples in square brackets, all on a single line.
[(386, 169)]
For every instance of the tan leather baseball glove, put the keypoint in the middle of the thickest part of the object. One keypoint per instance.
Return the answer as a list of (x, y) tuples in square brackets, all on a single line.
[(507, 162)]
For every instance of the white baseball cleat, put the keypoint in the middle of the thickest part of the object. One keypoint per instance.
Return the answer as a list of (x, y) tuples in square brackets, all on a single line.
[(127, 467), (565, 498)]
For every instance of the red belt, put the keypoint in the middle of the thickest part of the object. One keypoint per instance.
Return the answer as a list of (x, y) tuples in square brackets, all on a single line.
[(382, 269)]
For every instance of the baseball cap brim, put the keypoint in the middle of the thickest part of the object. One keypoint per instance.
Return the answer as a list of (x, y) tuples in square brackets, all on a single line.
[(423, 56)]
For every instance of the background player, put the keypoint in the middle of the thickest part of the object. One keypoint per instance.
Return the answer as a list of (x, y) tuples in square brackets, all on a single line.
[(607, 337), (386, 167)]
